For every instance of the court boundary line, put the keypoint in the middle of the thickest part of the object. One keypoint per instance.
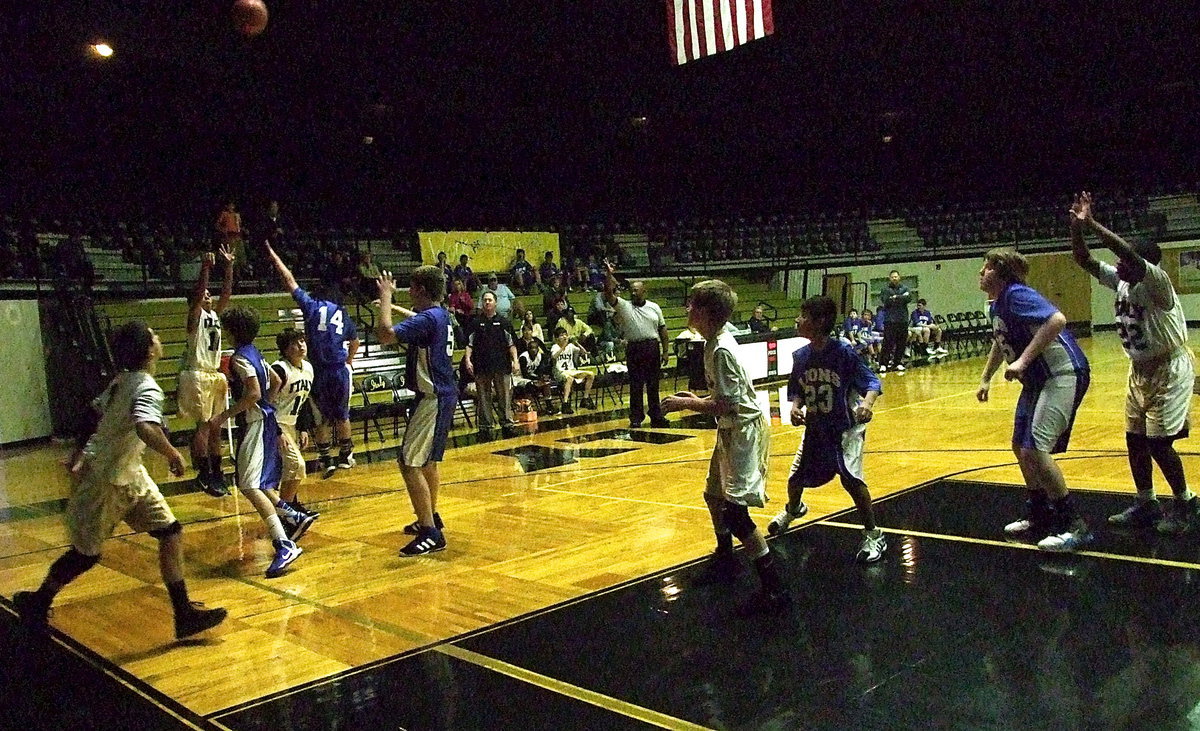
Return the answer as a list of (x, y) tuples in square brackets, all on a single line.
[(140, 688)]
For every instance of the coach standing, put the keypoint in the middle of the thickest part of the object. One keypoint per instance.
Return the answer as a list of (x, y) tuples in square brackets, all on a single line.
[(647, 347), (894, 299)]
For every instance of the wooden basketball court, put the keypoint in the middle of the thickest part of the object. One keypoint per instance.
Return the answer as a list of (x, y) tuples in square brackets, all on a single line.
[(563, 599)]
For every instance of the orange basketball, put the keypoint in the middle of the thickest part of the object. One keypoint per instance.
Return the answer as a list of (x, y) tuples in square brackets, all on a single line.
[(250, 16)]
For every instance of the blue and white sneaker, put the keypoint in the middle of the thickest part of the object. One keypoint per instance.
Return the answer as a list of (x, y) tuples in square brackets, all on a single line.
[(295, 522), (1072, 539), (428, 540), (286, 552)]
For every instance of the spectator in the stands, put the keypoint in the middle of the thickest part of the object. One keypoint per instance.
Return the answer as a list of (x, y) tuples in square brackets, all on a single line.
[(464, 272), (229, 234), (924, 332), (535, 329), (504, 295), (524, 276), (444, 266), (553, 294), (548, 270), (759, 322), (595, 274), (368, 273), (578, 331)]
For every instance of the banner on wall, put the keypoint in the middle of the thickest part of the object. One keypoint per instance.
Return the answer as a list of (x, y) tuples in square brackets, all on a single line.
[(489, 251), (24, 396)]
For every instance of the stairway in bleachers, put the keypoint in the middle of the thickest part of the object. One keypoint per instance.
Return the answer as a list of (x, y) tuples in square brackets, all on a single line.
[(894, 235), (1181, 213)]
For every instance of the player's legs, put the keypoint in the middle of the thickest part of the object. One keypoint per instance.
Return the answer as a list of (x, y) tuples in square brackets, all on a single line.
[(423, 447), (259, 468), (589, 380)]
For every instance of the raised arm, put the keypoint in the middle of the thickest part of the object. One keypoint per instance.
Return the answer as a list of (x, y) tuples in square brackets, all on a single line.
[(610, 284), (383, 329), (206, 263), (285, 274), (1114, 243), (1080, 212)]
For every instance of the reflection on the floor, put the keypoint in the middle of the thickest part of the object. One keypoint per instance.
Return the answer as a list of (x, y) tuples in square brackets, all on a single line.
[(534, 457)]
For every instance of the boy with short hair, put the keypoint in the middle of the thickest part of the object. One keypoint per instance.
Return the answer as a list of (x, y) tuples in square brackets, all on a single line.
[(833, 394), (925, 332), (738, 469), (201, 387), (293, 413), (332, 339), (430, 372), (259, 464), (110, 484), (1029, 333), (566, 357)]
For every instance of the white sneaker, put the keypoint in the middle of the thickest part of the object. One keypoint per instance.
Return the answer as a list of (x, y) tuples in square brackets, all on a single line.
[(940, 350), (883, 369), (899, 367), (873, 545), (785, 517), (1017, 527), (1072, 539)]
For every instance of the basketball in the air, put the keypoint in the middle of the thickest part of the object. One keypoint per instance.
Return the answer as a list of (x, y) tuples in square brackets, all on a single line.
[(249, 16)]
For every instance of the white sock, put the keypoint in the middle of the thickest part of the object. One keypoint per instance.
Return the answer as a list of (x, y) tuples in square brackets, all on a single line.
[(275, 526)]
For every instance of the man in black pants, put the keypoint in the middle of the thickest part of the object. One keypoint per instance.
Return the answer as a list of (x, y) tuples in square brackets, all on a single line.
[(646, 350), (894, 301)]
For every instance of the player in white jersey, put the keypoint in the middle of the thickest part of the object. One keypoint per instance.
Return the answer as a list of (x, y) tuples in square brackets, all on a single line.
[(109, 484), (201, 388), (293, 411), (1153, 332), (738, 470)]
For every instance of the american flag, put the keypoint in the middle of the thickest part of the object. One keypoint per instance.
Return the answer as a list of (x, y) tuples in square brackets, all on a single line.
[(699, 28)]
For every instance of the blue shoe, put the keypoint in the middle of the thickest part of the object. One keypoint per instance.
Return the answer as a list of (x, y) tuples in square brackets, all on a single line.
[(285, 553), (296, 523), (429, 540)]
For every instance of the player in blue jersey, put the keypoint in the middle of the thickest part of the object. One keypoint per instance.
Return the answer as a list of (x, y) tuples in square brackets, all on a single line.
[(1029, 334), (259, 462), (332, 343), (429, 334), (833, 392)]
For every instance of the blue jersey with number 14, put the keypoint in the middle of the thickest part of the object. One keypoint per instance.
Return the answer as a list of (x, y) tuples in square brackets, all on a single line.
[(328, 329), (429, 368)]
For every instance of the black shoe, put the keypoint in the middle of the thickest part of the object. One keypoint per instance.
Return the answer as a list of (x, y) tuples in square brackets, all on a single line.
[(196, 619), (296, 524), (214, 485), (301, 508), (34, 611), (568, 409), (327, 469), (429, 540), (722, 568), (660, 423), (589, 403), (765, 602), (414, 527), (635, 424)]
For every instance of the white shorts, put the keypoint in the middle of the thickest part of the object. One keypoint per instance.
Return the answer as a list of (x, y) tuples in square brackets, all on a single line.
[(95, 508), (201, 394), (293, 458), (738, 468), (1160, 397)]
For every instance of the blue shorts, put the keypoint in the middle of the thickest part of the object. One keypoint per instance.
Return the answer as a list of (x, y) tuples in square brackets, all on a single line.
[(428, 428), (1046, 412), (823, 456), (259, 462), (331, 392)]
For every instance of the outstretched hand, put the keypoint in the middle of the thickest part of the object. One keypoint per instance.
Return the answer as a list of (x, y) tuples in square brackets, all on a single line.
[(1081, 209), (226, 255), (386, 284)]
